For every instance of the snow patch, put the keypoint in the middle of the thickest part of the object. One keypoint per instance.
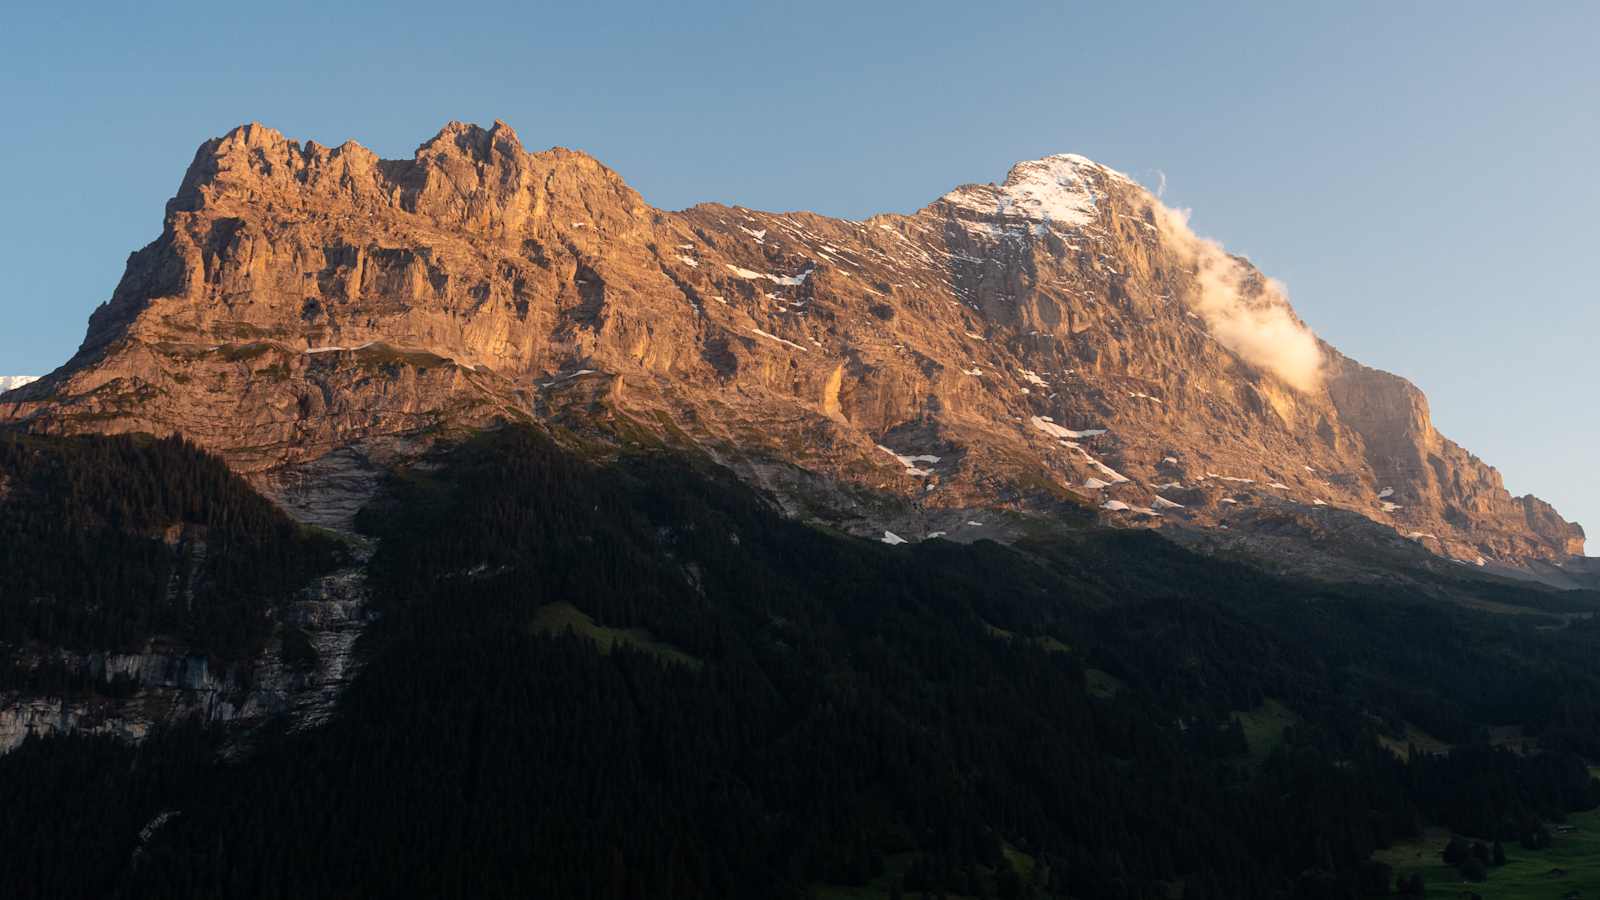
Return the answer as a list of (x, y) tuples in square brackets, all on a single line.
[(1119, 506), (910, 462), (1110, 473), (1055, 190), (773, 337), (570, 375), (1044, 424), (775, 279)]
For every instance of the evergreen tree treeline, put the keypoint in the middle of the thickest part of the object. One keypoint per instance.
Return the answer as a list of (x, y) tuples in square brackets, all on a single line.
[(791, 707)]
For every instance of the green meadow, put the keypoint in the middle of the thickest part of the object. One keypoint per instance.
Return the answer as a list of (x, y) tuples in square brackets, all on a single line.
[(1571, 863), (556, 618)]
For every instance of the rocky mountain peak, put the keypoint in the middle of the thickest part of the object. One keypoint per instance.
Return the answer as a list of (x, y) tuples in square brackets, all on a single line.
[(464, 176), (475, 142), (1059, 189), (1061, 338)]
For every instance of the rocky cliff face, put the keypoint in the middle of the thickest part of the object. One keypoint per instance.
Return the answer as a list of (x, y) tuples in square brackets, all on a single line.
[(1061, 337), (134, 693)]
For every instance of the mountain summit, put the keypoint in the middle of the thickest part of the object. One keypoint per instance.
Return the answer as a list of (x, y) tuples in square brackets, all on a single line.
[(1059, 339)]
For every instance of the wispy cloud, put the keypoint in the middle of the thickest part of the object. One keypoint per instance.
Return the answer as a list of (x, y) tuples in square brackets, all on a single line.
[(1247, 312)]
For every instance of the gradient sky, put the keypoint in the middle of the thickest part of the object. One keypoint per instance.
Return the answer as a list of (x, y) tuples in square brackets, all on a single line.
[(1422, 176)]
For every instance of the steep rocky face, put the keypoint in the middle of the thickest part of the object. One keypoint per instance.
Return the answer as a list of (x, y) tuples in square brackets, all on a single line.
[(1061, 337), (1430, 471), (137, 692)]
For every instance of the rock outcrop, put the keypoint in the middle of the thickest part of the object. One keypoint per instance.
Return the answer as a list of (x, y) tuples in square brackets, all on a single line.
[(1062, 337), (135, 693)]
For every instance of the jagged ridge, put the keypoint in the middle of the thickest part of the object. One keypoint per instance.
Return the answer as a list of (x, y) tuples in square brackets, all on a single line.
[(1049, 339)]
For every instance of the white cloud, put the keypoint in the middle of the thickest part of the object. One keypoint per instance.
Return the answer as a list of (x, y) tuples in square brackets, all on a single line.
[(1247, 312)]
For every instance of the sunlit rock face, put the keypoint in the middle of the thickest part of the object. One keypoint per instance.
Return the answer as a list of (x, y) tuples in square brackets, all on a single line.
[(1060, 337)]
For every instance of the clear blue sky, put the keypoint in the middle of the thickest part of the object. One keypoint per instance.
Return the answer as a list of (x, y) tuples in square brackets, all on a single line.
[(1421, 175)]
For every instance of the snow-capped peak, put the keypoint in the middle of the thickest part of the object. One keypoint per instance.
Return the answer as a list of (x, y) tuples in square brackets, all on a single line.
[(12, 382), (1057, 190)]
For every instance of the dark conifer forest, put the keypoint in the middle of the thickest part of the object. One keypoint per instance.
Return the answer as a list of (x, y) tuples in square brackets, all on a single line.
[(629, 677), (106, 542)]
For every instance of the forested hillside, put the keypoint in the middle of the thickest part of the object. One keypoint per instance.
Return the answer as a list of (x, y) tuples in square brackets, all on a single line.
[(631, 678), (106, 542)]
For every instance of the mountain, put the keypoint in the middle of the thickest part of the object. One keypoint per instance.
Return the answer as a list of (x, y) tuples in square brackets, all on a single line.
[(9, 382), (522, 539), (1061, 338)]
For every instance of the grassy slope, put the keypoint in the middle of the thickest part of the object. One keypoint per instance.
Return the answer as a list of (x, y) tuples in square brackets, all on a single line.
[(1414, 737), (556, 618), (1526, 874), (1263, 727)]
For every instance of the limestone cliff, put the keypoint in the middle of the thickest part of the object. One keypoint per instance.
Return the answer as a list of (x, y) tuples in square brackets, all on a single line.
[(1058, 336)]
